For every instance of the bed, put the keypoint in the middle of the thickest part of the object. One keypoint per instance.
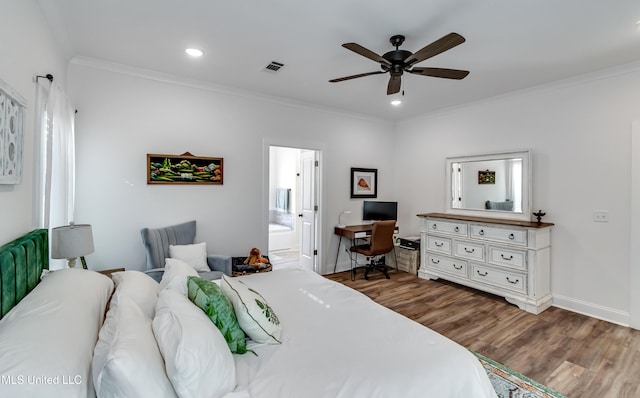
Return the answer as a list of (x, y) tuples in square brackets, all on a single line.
[(330, 341)]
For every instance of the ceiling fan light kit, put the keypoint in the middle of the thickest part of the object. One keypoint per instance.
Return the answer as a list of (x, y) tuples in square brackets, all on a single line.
[(397, 61), (194, 52)]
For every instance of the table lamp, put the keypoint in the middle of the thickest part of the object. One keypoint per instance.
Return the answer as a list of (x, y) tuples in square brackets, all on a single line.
[(72, 241), (340, 224)]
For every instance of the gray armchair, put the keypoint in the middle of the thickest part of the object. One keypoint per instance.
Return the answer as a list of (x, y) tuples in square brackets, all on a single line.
[(156, 243)]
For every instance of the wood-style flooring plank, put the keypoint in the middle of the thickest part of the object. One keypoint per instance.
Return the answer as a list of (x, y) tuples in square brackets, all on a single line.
[(574, 354)]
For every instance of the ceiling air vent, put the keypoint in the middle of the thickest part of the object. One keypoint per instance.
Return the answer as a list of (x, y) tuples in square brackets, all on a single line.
[(273, 67)]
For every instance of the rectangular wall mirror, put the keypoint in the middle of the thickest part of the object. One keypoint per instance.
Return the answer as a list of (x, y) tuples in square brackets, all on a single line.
[(494, 185)]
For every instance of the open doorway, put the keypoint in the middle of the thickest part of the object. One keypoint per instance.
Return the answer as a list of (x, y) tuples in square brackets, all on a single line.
[(293, 207)]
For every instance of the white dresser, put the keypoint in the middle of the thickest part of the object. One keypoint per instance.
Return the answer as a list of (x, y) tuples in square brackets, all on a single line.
[(508, 258)]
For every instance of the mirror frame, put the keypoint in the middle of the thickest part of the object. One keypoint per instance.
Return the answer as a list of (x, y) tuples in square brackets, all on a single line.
[(526, 186)]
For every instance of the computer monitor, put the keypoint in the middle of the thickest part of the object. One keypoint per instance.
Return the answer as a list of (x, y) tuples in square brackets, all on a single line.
[(379, 211)]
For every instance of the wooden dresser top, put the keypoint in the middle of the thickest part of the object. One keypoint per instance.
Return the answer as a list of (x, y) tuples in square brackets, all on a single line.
[(527, 224)]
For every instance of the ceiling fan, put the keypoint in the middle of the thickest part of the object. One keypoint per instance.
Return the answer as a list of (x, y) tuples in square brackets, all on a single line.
[(398, 61)]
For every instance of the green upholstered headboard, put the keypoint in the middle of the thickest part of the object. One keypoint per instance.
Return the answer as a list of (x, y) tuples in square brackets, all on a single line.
[(21, 264)]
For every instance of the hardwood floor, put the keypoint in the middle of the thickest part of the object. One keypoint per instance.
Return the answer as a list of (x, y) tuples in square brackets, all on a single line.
[(574, 354)]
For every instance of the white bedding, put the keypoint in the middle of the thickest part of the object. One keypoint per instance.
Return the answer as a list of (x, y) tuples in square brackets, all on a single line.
[(339, 343)]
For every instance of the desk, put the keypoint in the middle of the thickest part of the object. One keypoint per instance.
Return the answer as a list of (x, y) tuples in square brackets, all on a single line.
[(353, 232)]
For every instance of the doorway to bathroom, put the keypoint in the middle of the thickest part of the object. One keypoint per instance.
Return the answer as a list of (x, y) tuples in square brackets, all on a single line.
[(293, 179)]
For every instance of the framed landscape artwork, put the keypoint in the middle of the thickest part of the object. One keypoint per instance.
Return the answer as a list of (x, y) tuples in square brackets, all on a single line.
[(364, 183), (486, 177), (184, 169)]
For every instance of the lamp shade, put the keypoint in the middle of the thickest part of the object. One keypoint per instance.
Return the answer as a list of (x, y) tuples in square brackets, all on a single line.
[(71, 241)]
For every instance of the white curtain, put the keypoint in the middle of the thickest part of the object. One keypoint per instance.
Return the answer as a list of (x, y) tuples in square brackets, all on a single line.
[(55, 159)]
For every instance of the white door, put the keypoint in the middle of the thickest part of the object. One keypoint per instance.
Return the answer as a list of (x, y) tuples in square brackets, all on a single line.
[(308, 210)]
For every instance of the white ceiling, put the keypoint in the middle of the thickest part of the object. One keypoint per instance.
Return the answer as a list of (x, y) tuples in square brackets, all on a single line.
[(511, 44)]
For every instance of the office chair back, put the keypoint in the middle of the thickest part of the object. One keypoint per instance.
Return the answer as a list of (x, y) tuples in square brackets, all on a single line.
[(382, 237)]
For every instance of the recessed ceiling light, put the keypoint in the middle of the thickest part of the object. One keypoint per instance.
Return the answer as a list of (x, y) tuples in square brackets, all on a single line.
[(194, 52), (396, 102)]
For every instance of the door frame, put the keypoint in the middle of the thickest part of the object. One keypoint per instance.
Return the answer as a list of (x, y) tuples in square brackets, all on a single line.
[(634, 257), (267, 143)]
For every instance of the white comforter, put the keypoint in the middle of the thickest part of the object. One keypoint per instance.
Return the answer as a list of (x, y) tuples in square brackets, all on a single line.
[(339, 343)]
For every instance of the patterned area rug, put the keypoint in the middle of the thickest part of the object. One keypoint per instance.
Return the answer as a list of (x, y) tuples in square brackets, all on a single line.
[(511, 384)]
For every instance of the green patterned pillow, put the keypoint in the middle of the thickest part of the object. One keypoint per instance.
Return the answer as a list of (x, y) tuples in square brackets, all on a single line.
[(210, 298)]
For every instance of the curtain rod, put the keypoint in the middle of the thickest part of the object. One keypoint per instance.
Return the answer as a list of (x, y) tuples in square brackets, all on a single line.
[(48, 76)]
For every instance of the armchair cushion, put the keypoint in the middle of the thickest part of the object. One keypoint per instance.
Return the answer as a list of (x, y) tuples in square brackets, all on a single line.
[(195, 255)]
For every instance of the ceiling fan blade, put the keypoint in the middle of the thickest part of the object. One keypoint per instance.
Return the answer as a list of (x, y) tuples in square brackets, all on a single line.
[(439, 46), (394, 84), (358, 49), (341, 79), (440, 72)]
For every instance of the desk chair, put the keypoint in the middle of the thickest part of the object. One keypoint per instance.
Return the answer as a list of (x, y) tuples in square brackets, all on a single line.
[(380, 242)]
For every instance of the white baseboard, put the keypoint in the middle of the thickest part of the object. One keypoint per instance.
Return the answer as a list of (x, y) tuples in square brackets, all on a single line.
[(592, 310)]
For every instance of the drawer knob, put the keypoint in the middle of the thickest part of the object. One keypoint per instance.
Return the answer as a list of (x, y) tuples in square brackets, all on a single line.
[(481, 232), (434, 226), (439, 244), (469, 250), (456, 229), (506, 258), (458, 267), (513, 282), (511, 236), (481, 274), (434, 261)]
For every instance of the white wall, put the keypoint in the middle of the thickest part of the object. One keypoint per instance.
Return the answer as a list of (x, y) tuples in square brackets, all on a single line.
[(579, 132), (27, 51), (123, 115)]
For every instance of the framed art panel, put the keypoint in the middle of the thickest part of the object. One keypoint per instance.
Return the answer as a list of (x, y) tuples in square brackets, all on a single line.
[(486, 177), (184, 169), (12, 109), (364, 183)]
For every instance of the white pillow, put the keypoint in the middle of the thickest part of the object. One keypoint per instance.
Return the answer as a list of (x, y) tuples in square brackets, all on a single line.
[(52, 332), (195, 255), (197, 357), (255, 316), (175, 275), (138, 286), (126, 360)]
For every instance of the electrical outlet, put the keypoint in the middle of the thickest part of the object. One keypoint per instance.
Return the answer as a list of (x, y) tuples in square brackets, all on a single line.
[(601, 216)]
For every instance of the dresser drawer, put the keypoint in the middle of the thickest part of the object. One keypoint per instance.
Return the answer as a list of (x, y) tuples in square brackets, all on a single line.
[(501, 278), (438, 244), (447, 227), (472, 251), (509, 235), (510, 258), (446, 264)]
